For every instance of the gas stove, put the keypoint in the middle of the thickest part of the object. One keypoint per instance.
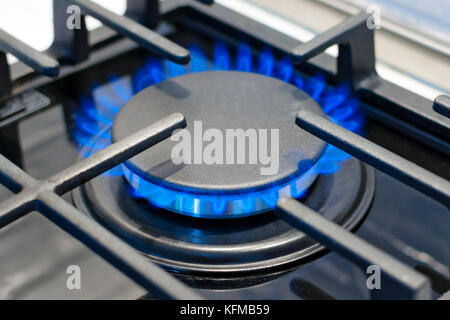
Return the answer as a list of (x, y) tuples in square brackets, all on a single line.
[(204, 154)]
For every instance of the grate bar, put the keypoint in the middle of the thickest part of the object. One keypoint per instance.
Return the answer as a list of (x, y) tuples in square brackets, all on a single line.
[(353, 38), (104, 243), (398, 281), (16, 207), (108, 158), (146, 38), (39, 61), (41, 196), (144, 11), (442, 105), (80, 172), (13, 177), (376, 156)]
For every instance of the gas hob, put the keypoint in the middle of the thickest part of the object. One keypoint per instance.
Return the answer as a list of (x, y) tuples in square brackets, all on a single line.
[(207, 155)]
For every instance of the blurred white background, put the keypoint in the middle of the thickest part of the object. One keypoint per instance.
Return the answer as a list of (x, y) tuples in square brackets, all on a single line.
[(430, 17), (32, 20)]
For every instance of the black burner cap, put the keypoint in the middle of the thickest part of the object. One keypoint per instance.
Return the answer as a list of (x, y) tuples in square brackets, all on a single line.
[(221, 100)]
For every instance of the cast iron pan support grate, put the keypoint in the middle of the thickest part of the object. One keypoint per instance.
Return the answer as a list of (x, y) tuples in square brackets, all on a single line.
[(73, 44), (399, 280), (356, 59), (39, 62), (44, 196)]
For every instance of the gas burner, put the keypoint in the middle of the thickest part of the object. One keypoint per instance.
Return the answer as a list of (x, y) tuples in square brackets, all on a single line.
[(259, 97), (135, 199), (222, 102)]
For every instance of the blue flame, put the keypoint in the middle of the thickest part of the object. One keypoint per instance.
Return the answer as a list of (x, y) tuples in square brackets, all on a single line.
[(244, 58), (266, 62), (94, 119), (196, 204), (221, 57)]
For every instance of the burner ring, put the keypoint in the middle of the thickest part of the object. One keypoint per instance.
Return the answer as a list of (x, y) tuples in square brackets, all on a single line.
[(260, 245), (223, 102)]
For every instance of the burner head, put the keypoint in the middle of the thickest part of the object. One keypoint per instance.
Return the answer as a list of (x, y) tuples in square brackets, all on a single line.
[(222, 100)]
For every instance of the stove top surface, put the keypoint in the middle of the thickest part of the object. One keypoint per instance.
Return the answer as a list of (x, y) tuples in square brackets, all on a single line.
[(173, 213)]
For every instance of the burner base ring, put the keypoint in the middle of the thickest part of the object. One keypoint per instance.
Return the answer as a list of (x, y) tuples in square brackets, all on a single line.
[(211, 250)]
